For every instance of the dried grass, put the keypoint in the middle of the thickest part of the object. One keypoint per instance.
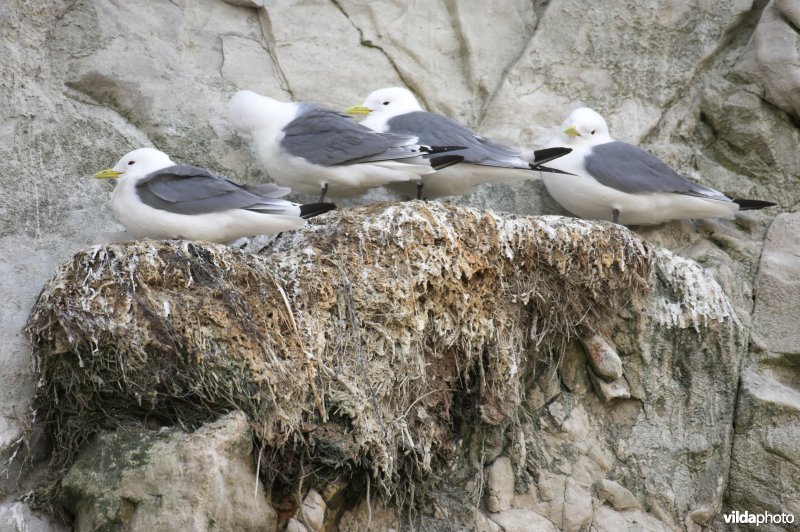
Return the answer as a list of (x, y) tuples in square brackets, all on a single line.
[(353, 345)]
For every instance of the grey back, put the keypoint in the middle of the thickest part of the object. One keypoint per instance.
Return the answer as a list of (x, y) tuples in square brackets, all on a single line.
[(183, 189), (630, 169)]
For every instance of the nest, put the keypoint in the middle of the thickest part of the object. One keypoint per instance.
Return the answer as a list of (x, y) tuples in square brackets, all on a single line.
[(353, 345)]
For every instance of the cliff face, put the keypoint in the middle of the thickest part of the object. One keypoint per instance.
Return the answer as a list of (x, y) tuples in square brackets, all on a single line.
[(409, 346), (711, 88)]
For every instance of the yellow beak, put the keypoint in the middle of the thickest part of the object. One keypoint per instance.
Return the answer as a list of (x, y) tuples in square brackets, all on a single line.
[(108, 173), (358, 110), (572, 132)]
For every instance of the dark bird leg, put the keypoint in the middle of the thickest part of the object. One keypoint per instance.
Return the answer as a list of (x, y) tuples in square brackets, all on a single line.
[(615, 214), (323, 191), (419, 190)]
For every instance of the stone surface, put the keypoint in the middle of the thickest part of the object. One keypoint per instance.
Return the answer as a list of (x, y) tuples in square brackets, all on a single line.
[(617, 389), (766, 454), (170, 480), (18, 517), (523, 521), (777, 295), (616, 495), (500, 484), (82, 80), (484, 523), (570, 448), (772, 57), (201, 321), (295, 526), (602, 357), (711, 88), (674, 330), (577, 513), (312, 511)]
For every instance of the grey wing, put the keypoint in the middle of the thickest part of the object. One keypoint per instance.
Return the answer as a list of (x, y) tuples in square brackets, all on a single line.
[(438, 130), (269, 190), (630, 169), (327, 138), (184, 189)]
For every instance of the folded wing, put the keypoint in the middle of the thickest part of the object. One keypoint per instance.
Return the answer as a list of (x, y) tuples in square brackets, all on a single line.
[(630, 169), (328, 138), (183, 189)]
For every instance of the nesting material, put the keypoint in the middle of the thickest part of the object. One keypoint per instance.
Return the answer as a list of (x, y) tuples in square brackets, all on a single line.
[(353, 345)]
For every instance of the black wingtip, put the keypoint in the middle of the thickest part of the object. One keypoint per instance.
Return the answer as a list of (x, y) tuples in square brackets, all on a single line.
[(540, 168), (752, 204), (443, 161), (548, 154), (441, 149), (309, 210)]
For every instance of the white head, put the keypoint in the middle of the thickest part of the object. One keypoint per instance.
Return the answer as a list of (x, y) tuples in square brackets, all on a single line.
[(251, 113), (138, 163), (383, 104), (584, 127)]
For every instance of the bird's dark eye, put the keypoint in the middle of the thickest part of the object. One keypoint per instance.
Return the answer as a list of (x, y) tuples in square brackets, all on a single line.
[(593, 131), (385, 103), (131, 162)]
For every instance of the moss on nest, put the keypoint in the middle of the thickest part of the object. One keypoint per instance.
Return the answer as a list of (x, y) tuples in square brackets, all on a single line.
[(347, 344)]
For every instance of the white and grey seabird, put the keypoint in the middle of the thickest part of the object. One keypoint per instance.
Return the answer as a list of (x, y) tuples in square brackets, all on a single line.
[(158, 199), (314, 149), (616, 181), (396, 110)]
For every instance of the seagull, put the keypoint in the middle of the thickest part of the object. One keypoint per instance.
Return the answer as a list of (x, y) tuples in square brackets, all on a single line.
[(314, 149), (396, 110), (612, 180), (158, 199)]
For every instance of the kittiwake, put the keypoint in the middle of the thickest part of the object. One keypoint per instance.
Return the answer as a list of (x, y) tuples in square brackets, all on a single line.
[(158, 199), (396, 110), (613, 180), (314, 149)]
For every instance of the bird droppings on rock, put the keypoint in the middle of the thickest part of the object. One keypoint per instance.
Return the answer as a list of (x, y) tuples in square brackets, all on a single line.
[(347, 343), (695, 301)]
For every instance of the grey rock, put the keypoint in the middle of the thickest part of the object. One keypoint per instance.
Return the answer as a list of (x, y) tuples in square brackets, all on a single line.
[(484, 523), (687, 312), (602, 357), (82, 88), (517, 520), (772, 57), (83, 84), (618, 496), (296, 526), (18, 517), (568, 61), (312, 510), (607, 520), (767, 429), (765, 456), (775, 327), (300, 39), (170, 480), (577, 513), (609, 390), (500, 484)]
